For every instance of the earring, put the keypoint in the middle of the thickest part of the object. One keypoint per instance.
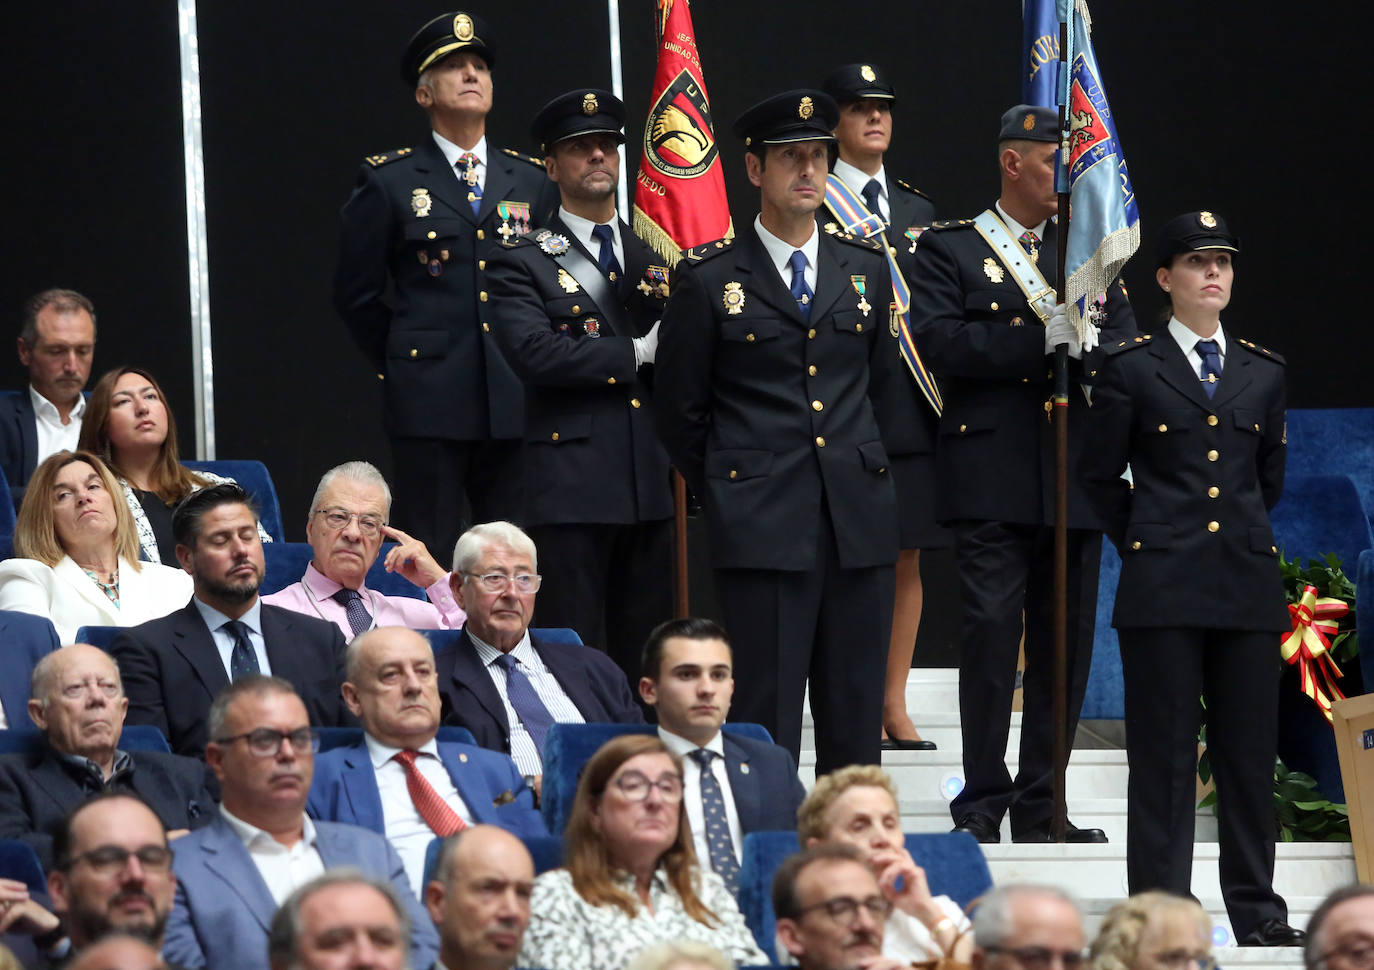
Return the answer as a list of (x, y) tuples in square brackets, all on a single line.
[(1166, 287)]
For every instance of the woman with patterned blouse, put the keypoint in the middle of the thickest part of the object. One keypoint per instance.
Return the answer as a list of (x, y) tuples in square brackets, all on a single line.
[(631, 879)]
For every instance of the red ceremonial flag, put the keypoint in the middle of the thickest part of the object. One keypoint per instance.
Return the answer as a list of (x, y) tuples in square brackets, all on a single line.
[(680, 192)]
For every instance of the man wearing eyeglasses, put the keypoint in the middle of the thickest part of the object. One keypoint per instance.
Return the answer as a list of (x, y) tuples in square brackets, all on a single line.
[(1027, 927), (830, 911), (345, 529), (504, 684), (1340, 934), (234, 873), (174, 666)]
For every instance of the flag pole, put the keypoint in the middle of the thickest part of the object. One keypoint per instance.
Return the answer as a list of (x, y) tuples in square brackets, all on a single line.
[(1059, 819)]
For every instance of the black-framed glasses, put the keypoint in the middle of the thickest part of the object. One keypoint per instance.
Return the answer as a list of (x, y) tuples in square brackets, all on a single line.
[(843, 909), (1183, 959), (635, 786), (1357, 955), (368, 524), (106, 860), (266, 742), (498, 582), (1042, 958)]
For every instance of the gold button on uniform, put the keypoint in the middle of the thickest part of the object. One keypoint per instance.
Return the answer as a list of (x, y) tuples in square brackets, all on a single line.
[(610, 380), (1163, 428), (734, 474), (963, 428), (1135, 545), (486, 327), (1256, 427), (481, 234), (858, 328), (381, 377), (414, 352), (817, 406), (1213, 455), (481, 264), (483, 296), (634, 402), (820, 442), (1213, 492), (554, 436), (749, 338), (1213, 526), (1211, 420), (431, 234), (811, 334), (811, 370), (995, 306), (576, 308), (1274, 549)]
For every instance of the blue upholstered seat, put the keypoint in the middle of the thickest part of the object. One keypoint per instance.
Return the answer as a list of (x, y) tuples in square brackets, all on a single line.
[(257, 481), (1334, 441), (286, 562), (6, 508), (442, 640), (342, 737), (545, 850), (18, 861), (134, 737)]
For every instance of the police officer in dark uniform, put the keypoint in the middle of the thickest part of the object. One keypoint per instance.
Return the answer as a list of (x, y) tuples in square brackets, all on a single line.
[(774, 368), (866, 99), (575, 308), (1198, 413), (992, 350), (424, 220)]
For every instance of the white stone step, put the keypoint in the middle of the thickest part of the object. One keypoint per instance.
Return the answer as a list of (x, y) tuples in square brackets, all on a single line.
[(942, 728), (1107, 814), (1223, 936)]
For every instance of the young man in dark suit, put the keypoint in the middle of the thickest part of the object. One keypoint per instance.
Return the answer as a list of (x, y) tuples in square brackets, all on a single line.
[(731, 785)]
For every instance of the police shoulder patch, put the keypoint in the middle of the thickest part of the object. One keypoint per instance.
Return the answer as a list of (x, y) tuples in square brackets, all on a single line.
[(708, 250), (528, 159), (872, 245), (951, 223), (1121, 346), (1259, 351), (386, 158), (912, 189)]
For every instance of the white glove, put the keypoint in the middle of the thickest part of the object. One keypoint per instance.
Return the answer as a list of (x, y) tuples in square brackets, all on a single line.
[(1059, 331), (646, 346), (1092, 338)]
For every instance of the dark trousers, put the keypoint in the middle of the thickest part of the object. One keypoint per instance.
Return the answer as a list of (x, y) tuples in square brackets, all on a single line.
[(1006, 571), (611, 583), (1237, 673), (441, 487), (824, 623)]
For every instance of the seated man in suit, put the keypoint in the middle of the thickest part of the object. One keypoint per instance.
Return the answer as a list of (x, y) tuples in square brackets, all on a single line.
[(398, 780), (27, 638), (830, 911), (57, 345), (345, 528), (745, 784), (174, 667), (78, 703), (479, 899), (342, 919), (498, 681), (234, 873)]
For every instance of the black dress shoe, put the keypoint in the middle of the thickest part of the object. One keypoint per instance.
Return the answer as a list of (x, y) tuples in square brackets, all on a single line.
[(979, 826), (1273, 932), (1073, 834), (904, 744)]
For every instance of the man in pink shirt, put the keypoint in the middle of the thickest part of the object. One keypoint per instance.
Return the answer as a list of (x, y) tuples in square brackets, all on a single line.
[(346, 527)]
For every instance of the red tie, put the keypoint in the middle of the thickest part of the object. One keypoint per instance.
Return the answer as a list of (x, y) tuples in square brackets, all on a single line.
[(433, 809)]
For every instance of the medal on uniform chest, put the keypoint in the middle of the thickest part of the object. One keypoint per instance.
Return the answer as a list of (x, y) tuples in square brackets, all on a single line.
[(591, 327), (860, 284), (733, 298), (519, 212), (914, 233), (993, 270), (566, 281), (655, 282), (435, 267), (420, 201), (552, 243)]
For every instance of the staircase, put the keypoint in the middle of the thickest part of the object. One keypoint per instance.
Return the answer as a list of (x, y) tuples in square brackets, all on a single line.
[(1096, 874)]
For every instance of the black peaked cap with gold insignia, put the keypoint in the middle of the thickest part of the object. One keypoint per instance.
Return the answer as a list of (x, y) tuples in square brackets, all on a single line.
[(1029, 122), (583, 111), (805, 114), (1192, 231), (854, 82), (446, 34)]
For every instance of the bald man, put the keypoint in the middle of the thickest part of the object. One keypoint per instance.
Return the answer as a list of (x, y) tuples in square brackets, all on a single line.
[(480, 899)]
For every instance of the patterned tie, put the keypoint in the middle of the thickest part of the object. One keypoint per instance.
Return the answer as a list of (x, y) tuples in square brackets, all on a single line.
[(800, 291), (436, 812), (870, 194), (352, 602), (718, 839), (1211, 365), (528, 707), (1030, 242), (606, 257), (468, 161), (244, 660)]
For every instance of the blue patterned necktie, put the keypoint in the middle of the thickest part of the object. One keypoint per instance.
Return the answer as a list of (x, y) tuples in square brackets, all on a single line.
[(523, 697), (243, 661), (870, 194), (718, 840), (610, 266), (352, 602), (1211, 365), (468, 161), (800, 291)]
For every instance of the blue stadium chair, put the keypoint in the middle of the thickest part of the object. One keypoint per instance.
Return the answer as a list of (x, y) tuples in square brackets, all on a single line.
[(545, 850), (953, 862), (18, 861), (342, 737), (134, 737), (1105, 697), (569, 746), (286, 562), (1320, 514), (6, 507), (97, 636), (257, 481), (442, 640), (1364, 612), (1340, 441)]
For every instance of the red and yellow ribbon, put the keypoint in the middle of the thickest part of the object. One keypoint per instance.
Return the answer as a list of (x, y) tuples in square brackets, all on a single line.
[(1308, 646)]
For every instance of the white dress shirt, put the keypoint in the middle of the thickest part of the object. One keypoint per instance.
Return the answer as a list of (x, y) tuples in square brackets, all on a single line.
[(582, 229), (454, 152), (691, 793), (284, 870), (780, 251), (224, 640), (406, 830), (53, 435), (857, 178), (545, 684), (1187, 342)]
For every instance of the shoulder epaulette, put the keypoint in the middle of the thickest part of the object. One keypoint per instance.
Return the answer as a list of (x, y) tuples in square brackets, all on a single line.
[(951, 223), (377, 161), (852, 239), (698, 253), (1259, 351), (912, 189), (1121, 346), (530, 159)]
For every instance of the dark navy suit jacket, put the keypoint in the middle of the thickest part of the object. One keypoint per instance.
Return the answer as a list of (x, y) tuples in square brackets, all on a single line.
[(596, 686), (764, 784), (26, 639), (345, 788), (18, 440)]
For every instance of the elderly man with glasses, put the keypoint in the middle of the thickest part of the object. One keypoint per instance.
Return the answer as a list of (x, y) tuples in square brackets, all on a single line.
[(346, 527), (501, 683), (1028, 927), (234, 873)]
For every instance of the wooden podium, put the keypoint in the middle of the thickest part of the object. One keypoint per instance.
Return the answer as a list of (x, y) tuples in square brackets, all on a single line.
[(1354, 724)]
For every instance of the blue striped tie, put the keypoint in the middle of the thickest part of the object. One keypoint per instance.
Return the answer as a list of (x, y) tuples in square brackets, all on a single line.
[(523, 697), (718, 841)]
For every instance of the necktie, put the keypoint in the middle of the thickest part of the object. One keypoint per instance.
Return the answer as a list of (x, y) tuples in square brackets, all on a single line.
[(352, 602), (1030, 242), (1211, 365), (528, 707), (718, 841), (800, 291), (606, 258), (436, 812), (468, 161), (244, 660), (870, 194)]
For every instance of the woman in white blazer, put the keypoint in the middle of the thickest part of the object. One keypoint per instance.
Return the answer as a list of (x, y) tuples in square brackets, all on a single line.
[(78, 552)]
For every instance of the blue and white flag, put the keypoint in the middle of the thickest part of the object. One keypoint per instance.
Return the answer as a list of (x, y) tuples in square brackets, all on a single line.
[(1040, 53), (1104, 223)]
